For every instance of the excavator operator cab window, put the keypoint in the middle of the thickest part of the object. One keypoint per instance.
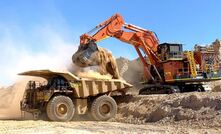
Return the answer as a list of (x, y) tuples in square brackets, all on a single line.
[(169, 51)]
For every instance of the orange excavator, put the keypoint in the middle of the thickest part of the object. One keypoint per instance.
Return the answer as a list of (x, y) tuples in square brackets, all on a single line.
[(167, 68)]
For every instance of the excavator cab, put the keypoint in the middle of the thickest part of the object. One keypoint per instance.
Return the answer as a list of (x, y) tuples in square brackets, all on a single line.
[(170, 51)]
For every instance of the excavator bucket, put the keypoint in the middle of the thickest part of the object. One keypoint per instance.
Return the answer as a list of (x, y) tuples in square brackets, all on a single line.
[(90, 55), (83, 57)]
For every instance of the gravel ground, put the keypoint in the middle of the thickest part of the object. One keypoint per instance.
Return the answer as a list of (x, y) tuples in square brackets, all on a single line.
[(189, 109), (87, 127)]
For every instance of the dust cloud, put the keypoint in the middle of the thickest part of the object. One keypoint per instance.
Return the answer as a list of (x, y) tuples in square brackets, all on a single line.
[(93, 75), (10, 98), (91, 72)]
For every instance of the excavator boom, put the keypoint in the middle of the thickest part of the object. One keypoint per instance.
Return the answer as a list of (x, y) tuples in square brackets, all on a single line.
[(144, 41), (107, 28)]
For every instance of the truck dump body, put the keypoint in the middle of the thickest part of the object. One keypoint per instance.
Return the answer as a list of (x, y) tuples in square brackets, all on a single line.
[(87, 87), (83, 87)]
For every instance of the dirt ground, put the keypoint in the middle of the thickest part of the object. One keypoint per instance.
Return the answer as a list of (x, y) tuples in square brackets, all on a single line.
[(87, 127), (189, 109)]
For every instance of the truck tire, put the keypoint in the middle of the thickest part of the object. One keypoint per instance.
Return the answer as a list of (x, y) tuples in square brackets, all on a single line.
[(60, 108), (103, 108)]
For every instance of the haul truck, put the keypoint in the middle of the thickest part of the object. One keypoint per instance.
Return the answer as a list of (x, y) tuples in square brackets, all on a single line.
[(65, 95)]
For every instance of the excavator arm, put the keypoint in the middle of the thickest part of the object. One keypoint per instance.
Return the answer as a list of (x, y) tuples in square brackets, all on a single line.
[(115, 26), (105, 29), (144, 41)]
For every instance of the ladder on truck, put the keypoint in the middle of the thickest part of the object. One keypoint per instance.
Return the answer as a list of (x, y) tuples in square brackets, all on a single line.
[(190, 58)]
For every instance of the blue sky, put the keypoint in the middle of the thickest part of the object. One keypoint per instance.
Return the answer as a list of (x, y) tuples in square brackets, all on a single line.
[(41, 28), (188, 22)]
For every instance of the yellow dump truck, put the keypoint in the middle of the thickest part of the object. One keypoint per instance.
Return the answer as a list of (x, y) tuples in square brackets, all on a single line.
[(64, 95)]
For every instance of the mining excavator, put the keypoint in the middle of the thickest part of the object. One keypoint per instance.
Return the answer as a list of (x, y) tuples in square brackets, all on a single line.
[(167, 68)]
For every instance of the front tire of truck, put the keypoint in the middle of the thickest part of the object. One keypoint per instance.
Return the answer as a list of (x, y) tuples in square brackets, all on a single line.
[(103, 108), (60, 108)]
